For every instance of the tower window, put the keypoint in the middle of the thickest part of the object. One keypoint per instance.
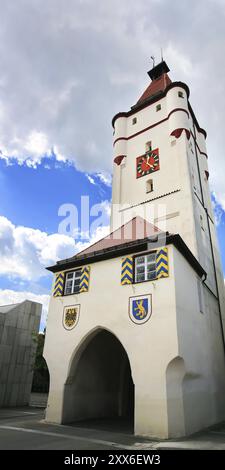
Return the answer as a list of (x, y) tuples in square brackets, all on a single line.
[(148, 146), (180, 94), (158, 107), (145, 267), (134, 120), (149, 186)]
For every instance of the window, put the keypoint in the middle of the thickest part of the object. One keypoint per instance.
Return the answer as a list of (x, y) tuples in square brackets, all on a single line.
[(134, 120), (158, 107), (149, 186), (72, 284), (145, 267), (180, 94), (148, 146)]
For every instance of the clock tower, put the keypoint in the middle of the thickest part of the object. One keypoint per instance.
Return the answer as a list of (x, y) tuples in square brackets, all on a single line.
[(161, 171)]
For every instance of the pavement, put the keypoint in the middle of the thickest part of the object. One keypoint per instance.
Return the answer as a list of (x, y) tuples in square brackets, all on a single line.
[(25, 428)]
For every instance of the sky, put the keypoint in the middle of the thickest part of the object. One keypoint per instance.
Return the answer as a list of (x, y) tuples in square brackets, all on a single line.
[(66, 68)]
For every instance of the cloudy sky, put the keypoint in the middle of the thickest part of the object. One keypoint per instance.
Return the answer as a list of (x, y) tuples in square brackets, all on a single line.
[(66, 67)]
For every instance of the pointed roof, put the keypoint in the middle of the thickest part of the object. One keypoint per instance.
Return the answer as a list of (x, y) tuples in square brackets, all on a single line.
[(156, 86), (160, 81), (135, 229)]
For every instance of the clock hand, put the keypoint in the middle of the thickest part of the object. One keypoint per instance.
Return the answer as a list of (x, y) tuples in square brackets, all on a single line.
[(149, 164)]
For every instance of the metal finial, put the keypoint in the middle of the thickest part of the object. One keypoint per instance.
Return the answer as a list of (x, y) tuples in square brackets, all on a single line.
[(153, 60)]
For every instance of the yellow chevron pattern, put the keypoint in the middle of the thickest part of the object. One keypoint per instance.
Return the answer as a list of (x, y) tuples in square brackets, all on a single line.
[(127, 270), (162, 263), (84, 280), (58, 285)]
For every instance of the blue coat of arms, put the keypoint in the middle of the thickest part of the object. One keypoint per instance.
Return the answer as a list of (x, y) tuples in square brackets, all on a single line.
[(140, 308)]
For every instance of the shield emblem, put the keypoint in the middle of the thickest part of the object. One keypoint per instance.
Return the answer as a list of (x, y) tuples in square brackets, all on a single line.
[(71, 316), (140, 308)]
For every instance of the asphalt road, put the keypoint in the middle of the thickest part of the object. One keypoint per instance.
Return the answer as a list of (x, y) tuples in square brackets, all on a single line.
[(24, 428)]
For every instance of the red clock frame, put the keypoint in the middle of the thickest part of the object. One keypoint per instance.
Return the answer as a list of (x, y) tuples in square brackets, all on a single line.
[(147, 163)]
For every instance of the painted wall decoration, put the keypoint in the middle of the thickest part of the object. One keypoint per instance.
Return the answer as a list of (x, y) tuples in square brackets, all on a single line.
[(177, 133), (58, 285), (162, 263), (127, 270), (147, 163), (84, 280), (140, 308), (71, 316)]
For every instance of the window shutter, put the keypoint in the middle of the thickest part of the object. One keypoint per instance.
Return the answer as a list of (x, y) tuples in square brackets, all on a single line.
[(58, 285), (127, 270), (162, 263), (84, 280)]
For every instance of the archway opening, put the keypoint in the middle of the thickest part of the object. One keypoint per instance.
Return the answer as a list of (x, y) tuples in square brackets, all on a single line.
[(100, 391)]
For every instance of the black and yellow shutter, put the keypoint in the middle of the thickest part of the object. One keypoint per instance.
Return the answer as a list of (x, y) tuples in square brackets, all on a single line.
[(58, 285), (162, 263), (84, 280), (127, 270)]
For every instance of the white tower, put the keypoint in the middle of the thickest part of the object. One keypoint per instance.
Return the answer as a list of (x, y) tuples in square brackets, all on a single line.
[(161, 171)]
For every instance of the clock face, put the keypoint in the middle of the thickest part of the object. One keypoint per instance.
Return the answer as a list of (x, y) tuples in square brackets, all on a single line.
[(147, 163)]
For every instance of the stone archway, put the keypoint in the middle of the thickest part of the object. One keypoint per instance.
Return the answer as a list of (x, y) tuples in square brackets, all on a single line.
[(99, 385)]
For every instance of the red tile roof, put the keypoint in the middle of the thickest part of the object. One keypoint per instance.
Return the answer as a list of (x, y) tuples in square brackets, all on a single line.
[(157, 85), (135, 229)]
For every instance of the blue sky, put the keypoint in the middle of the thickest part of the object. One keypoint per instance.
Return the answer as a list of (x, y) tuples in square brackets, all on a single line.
[(220, 217), (30, 198), (66, 69)]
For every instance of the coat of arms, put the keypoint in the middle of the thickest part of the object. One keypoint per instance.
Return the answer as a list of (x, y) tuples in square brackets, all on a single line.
[(71, 316), (140, 308)]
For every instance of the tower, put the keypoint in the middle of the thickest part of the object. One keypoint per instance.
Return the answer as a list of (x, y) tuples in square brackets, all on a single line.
[(135, 320), (160, 171)]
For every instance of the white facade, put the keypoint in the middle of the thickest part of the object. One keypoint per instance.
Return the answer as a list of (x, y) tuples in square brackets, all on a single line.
[(170, 370), (180, 201)]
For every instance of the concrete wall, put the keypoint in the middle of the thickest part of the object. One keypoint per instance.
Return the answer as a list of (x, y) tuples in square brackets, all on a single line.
[(17, 351)]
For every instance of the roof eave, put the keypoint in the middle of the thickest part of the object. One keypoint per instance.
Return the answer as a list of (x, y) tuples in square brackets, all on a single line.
[(128, 248)]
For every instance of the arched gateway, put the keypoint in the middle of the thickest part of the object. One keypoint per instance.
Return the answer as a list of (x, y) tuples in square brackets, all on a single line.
[(99, 384)]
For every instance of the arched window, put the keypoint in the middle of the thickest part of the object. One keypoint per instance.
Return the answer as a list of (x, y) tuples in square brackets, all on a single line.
[(149, 186)]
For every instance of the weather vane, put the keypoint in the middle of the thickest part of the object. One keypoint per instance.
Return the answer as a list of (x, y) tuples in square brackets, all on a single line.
[(153, 60)]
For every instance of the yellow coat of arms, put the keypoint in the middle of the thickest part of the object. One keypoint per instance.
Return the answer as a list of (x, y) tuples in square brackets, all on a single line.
[(71, 316)]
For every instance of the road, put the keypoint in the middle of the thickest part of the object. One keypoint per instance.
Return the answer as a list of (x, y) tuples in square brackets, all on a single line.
[(24, 428)]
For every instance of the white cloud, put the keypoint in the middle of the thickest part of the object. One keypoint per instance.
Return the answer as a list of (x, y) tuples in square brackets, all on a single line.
[(8, 296), (99, 233), (218, 210), (105, 178), (25, 251), (68, 67), (90, 179)]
